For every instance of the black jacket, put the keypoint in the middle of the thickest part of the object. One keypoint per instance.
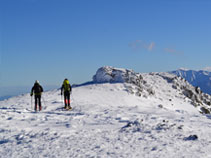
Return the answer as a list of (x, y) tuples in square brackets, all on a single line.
[(36, 89)]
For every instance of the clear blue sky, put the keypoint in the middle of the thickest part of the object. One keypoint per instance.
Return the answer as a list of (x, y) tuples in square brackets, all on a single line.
[(50, 40)]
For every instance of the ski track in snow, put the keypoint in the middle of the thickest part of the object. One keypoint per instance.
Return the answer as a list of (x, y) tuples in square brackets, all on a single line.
[(106, 121)]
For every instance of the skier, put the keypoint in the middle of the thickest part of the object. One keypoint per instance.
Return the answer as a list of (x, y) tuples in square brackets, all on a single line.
[(37, 91), (66, 90)]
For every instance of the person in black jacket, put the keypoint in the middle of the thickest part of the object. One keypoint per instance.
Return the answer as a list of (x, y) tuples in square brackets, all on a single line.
[(66, 90), (37, 91)]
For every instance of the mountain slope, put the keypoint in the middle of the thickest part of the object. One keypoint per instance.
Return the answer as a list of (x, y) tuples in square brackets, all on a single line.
[(136, 115), (156, 84), (201, 78)]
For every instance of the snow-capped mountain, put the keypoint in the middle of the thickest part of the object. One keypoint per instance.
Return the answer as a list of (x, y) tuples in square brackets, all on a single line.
[(147, 84), (200, 78), (120, 113)]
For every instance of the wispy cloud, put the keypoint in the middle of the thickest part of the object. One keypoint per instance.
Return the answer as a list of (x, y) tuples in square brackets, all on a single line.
[(173, 51), (151, 46), (142, 45)]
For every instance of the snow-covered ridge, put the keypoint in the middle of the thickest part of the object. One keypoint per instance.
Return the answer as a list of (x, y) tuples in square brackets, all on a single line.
[(115, 116), (118, 75), (149, 85), (198, 98)]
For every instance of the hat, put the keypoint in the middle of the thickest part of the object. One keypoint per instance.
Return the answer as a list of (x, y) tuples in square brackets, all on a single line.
[(36, 81)]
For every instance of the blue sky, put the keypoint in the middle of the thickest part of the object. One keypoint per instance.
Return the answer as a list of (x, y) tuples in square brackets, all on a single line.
[(50, 40)]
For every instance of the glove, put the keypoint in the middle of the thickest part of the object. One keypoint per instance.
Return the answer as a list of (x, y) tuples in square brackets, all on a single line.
[(31, 94), (61, 93)]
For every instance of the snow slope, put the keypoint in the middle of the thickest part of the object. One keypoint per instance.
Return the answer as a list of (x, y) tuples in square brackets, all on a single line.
[(115, 119)]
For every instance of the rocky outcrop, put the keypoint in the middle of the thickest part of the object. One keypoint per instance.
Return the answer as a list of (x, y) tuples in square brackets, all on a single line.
[(199, 99), (138, 85)]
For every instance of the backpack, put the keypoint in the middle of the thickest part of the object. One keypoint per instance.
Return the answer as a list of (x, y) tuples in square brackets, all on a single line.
[(37, 89), (66, 86)]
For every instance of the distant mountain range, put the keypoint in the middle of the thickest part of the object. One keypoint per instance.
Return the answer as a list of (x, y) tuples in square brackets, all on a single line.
[(200, 78)]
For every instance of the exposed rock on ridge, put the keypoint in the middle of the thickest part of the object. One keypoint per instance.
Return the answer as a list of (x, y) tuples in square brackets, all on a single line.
[(137, 84)]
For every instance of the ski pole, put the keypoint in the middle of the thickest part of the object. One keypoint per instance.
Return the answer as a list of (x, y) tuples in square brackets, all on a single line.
[(71, 95), (31, 103), (62, 99)]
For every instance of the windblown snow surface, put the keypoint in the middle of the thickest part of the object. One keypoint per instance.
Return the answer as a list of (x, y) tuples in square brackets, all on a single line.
[(106, 121)]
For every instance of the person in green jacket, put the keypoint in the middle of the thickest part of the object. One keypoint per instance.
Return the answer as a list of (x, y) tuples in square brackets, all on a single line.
[(66, 90)]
